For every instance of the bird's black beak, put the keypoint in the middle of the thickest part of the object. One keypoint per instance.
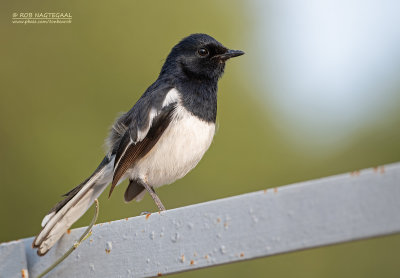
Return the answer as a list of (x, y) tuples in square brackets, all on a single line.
[(230, 54)]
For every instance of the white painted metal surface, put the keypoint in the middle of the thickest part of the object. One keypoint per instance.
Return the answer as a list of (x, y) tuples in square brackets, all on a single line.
[(13, 262), (331, 210)]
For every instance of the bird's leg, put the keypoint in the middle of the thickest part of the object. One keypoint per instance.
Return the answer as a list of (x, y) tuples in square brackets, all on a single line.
[(153, 195)]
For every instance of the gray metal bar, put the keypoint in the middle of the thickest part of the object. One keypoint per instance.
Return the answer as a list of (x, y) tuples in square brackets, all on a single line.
[(12, 260), (315, 213)]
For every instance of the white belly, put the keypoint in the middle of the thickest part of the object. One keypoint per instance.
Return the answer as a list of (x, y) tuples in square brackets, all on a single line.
[(178, 150)]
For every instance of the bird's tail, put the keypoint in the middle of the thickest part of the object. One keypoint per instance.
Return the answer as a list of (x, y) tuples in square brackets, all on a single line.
[(75, 204)]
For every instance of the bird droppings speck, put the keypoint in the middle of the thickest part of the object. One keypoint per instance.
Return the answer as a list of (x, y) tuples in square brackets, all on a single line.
[(68, 231), (182, 258), (148, 215), (241, 255), (152, 235), (255, 219), (177, 223), (108, 247), (147, 260), (191, 262), (175, 237), (91, 267), (24, 273), (222, 249), (275, 190)]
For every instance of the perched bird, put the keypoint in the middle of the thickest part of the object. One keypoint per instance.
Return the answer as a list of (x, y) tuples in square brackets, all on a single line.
[(162, 137)]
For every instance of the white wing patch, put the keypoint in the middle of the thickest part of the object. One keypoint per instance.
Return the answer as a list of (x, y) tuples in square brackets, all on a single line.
[(142, 133), (171, 97), (126, 148)]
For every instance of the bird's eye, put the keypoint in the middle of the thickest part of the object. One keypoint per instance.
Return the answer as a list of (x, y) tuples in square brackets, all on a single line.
[(202, 52)]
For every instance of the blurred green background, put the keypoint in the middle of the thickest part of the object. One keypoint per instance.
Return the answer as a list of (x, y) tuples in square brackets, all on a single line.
[(62, 85)]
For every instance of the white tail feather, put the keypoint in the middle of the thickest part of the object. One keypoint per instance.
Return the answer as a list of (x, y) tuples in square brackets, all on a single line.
[(56, 224), (47, 218)]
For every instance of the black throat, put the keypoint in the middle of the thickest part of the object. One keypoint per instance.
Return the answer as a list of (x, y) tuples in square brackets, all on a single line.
[(198, 88), (199, 96)]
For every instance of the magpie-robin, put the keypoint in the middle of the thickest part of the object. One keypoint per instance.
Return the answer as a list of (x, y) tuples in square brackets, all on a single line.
[(162, 137)]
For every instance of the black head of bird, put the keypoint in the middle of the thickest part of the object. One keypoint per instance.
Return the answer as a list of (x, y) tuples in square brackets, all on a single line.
[(198, 56)]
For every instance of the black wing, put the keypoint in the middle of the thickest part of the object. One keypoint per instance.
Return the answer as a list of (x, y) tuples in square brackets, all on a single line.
[(147, 124)]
